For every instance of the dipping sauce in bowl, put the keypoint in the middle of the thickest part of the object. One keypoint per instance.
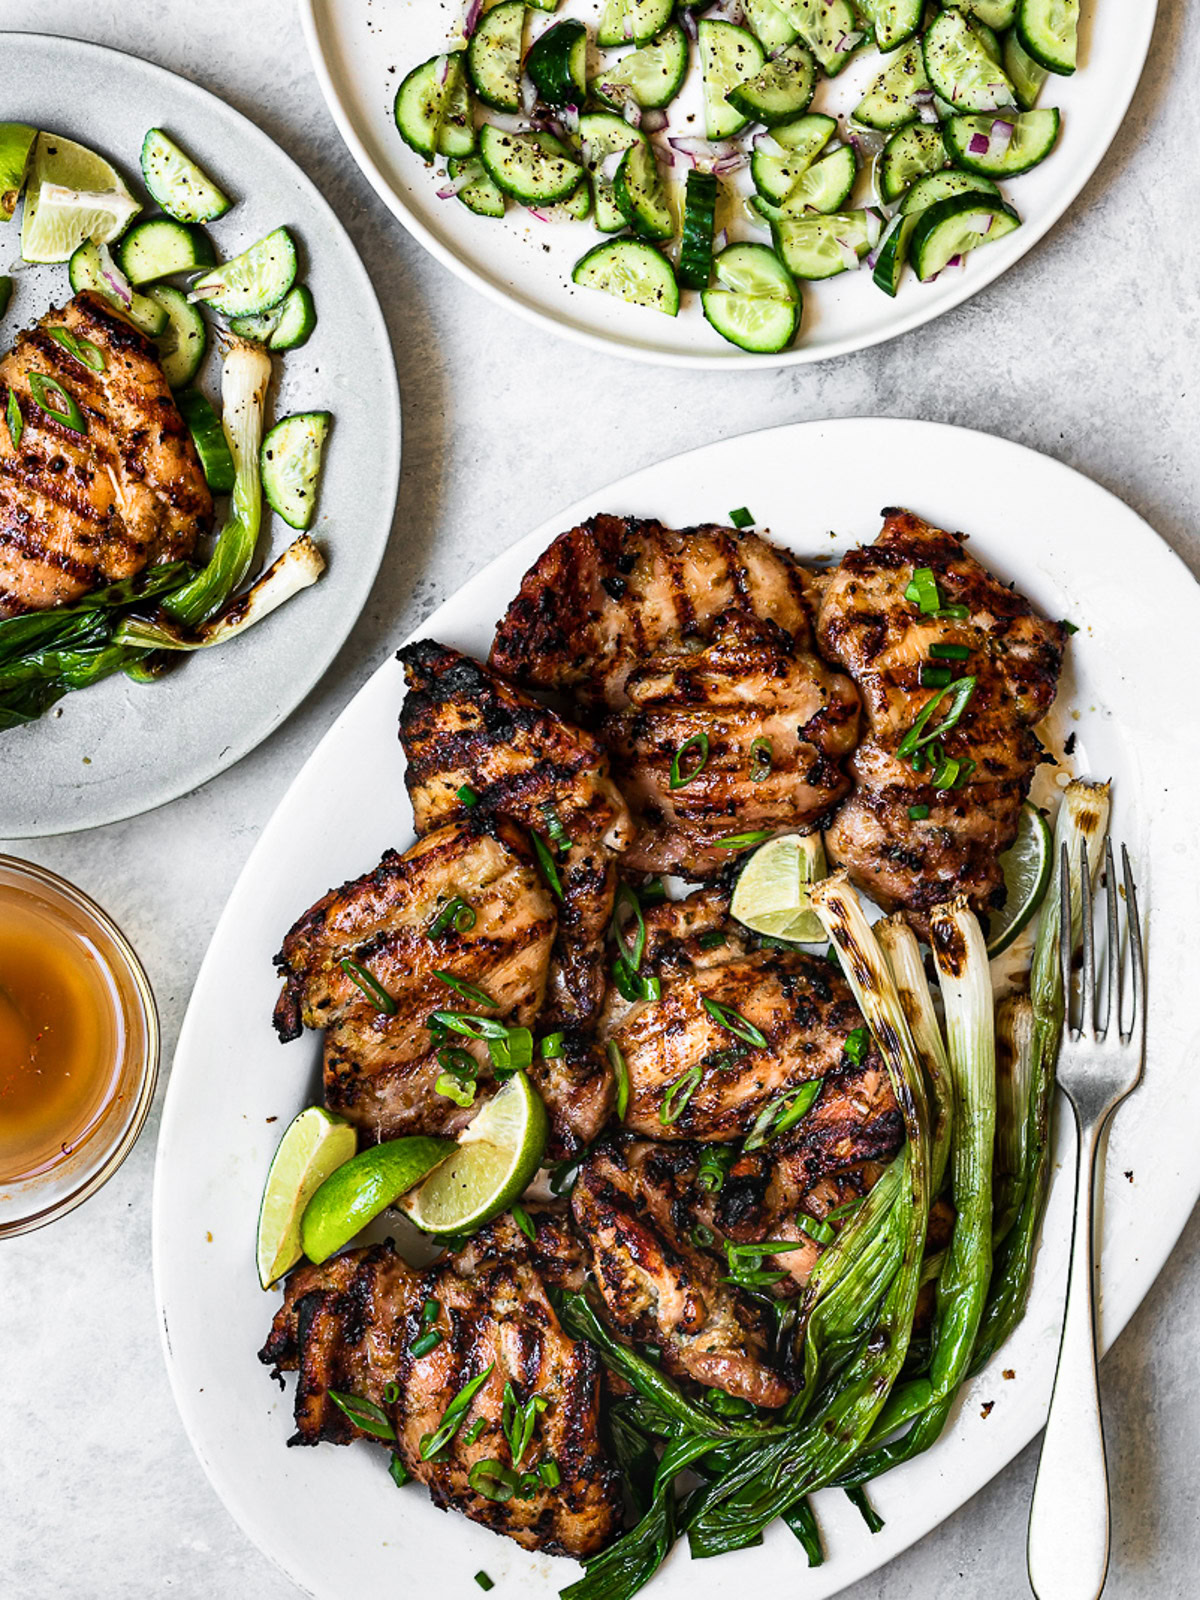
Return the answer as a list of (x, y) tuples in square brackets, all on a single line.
[(78, 1046)]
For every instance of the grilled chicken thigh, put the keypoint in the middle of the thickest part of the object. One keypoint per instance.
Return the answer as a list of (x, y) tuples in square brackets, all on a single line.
[(380, 1068), (460, 726), (610, 593), (756, 716), (867, 625), (78, 509), (350, 1324), (634, 1203)]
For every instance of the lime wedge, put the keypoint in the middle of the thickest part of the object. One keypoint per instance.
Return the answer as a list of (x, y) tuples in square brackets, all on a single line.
[(366, 1185), (314, 1145), (16, 147), (496, 1158), (1026, 867), (771, 896), (73, 195)]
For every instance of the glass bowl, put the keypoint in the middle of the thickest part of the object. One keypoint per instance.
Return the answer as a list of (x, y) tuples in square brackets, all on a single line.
[(95, 954)]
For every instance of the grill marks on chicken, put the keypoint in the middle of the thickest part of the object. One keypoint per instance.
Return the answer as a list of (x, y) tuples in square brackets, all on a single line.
[(634, 1204), (380, 1069), (775, 720), (461, 725), (81, 509), (349, 1326), (866, 625)]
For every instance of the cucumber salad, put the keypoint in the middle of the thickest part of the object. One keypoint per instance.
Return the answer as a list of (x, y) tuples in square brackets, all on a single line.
[(165, 276), (690, 134)]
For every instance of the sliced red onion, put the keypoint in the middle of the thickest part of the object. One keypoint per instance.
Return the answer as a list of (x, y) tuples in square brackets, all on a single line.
[(688, 23), (768, 145), (654, 120), (927, 114), (569, 117), (528, 96), (955, 261), (470, 173), (720, 241), (984, 226), (921, 97), (471, 20), (728, 164), (608, 167), (114, 277), (540, 215), (632, 112), (444, 69), (1001, 135), (980, 144), (848, 254), (874, 226), (848, 41)]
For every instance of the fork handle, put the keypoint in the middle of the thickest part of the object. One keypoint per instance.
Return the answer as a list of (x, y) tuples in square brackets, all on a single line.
[(1068, 1520)]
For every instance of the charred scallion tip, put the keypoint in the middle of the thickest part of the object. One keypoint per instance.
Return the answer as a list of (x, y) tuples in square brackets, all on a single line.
[(1014, 1078), (903, 954)]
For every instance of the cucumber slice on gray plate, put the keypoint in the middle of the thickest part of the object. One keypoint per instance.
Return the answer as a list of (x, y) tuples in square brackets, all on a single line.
[(533, 168), (782, 157), (728, 56), (87, 270), (162, 247), (653, 75), (208, 436), (908, 155), (781, 91), (959, 67), (286, 326), (291, 465), (1026, 75), (699, 225), (1002, 146), (182, 188), (632, 271), (254, 281), (950, 228), (756, 302), (824, 246), (433, 108), (632, 21), (182, 343), (1048, 31), (893, 253)]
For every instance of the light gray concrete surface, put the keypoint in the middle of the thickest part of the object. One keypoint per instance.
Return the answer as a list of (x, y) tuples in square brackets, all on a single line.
[(1086, 350)]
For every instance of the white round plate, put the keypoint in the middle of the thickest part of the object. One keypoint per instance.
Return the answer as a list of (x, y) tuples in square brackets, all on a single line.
[(121, 748), (361, 51), (332, 1517)]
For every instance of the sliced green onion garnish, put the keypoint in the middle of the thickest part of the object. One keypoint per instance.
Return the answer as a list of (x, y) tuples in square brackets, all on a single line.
[(922, 590), (856, 1045), (421, 1346), (493, 1480), (430, 1311), (816, 1228), (726, 1017), (467, 990), (484, 1582), (375, 993), (934, 677), (549, 1474), (1070, 627), (455, 911), (454, 1413), (551, 1047), (799, 1108), (959, 693), (762, 757), (782, 1113), (918, 813), (652, 891), (364, 1414), (764, 1247), (702, 1236), (712, 940), (617, 1061), (742, 841), (945, 776), (451, 1088), (460, 1063), (714, 1167), (84, 351), (524, 1221), (679, 778), (547, 864), (955, 613), (41, 387), (473, 1432), (468, 1024), (391, 1393), (631, 953), (467, 795), (399, 1472), (741, 518), (554, 828), (16, 422), (635, 985), (950, 652), (512, 1052), (678, 1095)]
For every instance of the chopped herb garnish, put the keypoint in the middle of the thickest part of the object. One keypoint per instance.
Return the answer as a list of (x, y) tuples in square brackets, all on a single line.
[(468, 1024), (856, 1045), (473, 1432), (945, 775), (549, 1474), (741, 518), (626, 900), (518, 1420), (430, 1311), (400, 1473), (950, 652), (511, 1053), (729, 1405), (391, 1393), (525, 1222), (547, 864), (84, 351), (493, 1480), (742, 841), (453, 1415), (714, 1167), (635, 985), (816, 1228), (374, 991), (734, 1022), (16, 422), (468, 796), (955, 613), (484, 1582), (959, 692), (364, 1414), (712, 940), (918, 813), (934, 677), (847, 1208), (42, 387), (702, 1236), (679, 778), (456, 912), (421, 1346), (1070, 627), (782, 1113), (460, 986), (551, 1047), (554, 827), (678, 1095), (762, 757), (452, 1087), (922, 591), (617, 1061)]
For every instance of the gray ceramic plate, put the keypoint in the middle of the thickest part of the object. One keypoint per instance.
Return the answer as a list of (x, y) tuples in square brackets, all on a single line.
[(120, 748)]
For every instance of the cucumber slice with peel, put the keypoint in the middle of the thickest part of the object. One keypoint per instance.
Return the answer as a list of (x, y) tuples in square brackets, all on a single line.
[(208, 436), (825, 187), (494, 56), (699, 222), (92, 267), (1048, 31), (830, 28), (651, 76), (533, 168), (603, 135), (998, 14), (433, 108), (935, 186), (728, 56), (1026, 75), (183, 341), (893, 253), (632, 22), (892, 99), (960, 69), (557, 64), (254, 281), (756, 301), (909, 154), (781, 91), (640, 194), (632, 271), (893, 22), (769, 25), (291, 465), (181, 188), (982, 144), (479, 194), (952, 227), (161, 248), (782, 157), (575, 208), (296, 317), (814, 246)]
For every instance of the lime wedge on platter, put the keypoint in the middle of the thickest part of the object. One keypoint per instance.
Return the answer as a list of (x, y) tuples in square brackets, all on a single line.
[(771, 896), (495, 1160), (315, 1144), (1026, 865), (355, 1194), (73, 195), (16, 149)]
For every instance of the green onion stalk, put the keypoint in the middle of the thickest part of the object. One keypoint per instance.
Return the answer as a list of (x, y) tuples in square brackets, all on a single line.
[(903, 954), (1014, 1070), (1082, 824)]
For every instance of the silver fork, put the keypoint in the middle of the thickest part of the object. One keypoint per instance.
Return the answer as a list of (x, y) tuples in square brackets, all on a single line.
[(1098, 1066)]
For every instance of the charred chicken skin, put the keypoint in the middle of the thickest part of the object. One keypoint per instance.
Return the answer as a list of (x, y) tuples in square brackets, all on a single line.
[(884, 640), (78, 509), (463, 728), (349, 1326)]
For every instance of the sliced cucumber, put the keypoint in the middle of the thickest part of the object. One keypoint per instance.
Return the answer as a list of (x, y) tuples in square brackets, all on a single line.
[(777, 171), (557, 64), (935, 186), (291, 465), (952, 227), (891, 101), (987, 39), (533, 168), (893, 22), (639, 192), (973, 144), (179, 186), (893, 253), (632, 271), (297, 319), (728, 56), (752, 269), (6, 287), (208, 436), (996, 14), (699, 222), (480, 194), (908, 155), (652, 76), (603, 134), (494, 56), (769, 25), (86, 271), (183, 341), (254, 281), (830, 28), (821, 247), (756, 304), (1025, 74), (574, 208), (781, 91), (632, 21), (825, 187), (433, 108), (257, 328), (1048, 31), (161, 248), (960, 68)]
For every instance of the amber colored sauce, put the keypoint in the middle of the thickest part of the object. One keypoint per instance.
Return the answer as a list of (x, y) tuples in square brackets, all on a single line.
[(61, 1036)]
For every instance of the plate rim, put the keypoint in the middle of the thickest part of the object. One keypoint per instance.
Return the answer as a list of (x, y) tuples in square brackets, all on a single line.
[(1155, 1248), (313, 664), (1030, 233)]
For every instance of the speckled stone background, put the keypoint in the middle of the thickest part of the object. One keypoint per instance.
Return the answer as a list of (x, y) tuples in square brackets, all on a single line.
[(1087, 350)]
